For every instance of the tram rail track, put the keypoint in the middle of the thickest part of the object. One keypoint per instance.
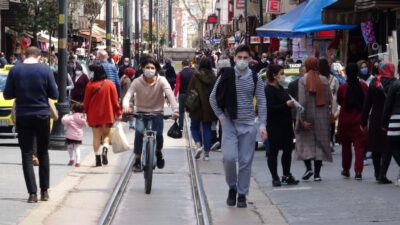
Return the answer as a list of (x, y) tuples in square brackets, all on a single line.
[(201, 208)]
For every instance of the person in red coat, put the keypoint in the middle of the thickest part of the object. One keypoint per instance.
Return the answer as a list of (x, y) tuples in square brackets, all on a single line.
[(351, 97), (102, 108)]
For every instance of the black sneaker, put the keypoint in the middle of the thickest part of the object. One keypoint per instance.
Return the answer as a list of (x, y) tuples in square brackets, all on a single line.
[(358, 176), (231, 201), (137, 167), (307, 174), (289, 180), (241, 201), (160, 160), (345, 173), (276, 183), (104, 157), (384, 181)]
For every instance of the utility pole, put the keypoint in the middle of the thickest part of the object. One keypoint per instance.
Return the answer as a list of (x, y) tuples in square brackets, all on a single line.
[(170, 23), (261, 11), (127, 30), (141, 23), (157, 30), (57, 136), (137, 32), (247, 22), (150, 26), (108, 25)]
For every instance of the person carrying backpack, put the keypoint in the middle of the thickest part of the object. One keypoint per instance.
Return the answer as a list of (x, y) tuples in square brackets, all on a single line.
[(201, 114)]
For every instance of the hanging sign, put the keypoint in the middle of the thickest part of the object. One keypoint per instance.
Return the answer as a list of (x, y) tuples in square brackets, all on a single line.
[(240, 4), (274, 6)]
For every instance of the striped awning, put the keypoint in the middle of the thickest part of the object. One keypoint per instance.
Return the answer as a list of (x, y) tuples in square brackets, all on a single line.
[(4, 4)]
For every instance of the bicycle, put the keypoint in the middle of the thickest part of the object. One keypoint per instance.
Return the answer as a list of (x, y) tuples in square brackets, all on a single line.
[(148, 157)]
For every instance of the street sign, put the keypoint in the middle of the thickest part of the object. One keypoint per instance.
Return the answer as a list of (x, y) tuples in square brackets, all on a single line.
[(257, 40), (240, 4), (274, 6), (212, 19)]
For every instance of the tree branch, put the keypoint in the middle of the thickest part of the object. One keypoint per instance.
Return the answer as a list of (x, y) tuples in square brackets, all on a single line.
[(190, 11)]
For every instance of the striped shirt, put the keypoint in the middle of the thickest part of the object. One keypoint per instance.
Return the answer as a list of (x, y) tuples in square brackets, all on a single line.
[(394, 126), (244, 92), (112, 74)]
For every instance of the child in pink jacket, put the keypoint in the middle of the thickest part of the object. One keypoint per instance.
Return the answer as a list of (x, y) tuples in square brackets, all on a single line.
[(74, 123)]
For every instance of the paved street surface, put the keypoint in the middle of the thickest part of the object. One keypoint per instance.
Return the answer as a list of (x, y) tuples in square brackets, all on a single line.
[(78, 195)]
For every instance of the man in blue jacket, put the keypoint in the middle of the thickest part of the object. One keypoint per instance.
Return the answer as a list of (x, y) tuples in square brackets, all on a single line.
[(31, 84), (110, 69)]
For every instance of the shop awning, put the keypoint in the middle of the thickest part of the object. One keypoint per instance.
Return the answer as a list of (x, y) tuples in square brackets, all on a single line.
[(344, 12), (86, 34), (376, 4), (303, 19)]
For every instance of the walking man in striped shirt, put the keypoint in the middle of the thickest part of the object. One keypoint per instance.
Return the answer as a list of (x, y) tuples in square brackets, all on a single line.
[(232, 101)]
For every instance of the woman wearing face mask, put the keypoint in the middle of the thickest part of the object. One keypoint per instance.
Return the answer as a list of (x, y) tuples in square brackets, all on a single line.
[(371, 120), (279, 127), (79, 80), (149, 91), (364, 72), (102, 107)]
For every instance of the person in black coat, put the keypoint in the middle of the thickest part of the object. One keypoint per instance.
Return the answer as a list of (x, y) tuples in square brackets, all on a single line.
[(279, 127), (170, 73)]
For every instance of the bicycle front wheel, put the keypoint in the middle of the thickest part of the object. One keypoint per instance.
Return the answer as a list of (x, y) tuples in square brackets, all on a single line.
[(148, 170)]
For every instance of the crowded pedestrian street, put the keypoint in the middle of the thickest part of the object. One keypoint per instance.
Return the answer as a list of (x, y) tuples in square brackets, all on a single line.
[(211, 112), (80, 194)]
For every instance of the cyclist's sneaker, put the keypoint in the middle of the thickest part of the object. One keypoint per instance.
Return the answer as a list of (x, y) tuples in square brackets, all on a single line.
[(104, 155), (198, 153), (137, 168), (160, 160), (215, 146), (241, 201), (206, 156)]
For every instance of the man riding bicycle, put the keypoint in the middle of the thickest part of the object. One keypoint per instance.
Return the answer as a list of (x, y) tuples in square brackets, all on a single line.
[(149, 91)]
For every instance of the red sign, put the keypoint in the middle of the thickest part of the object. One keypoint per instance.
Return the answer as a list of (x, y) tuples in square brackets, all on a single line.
[(325, 34), (257, 40), (240, 4), (274, 6), (212, 19)]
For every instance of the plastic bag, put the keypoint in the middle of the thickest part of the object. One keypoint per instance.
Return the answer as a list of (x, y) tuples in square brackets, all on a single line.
[(119, 140), (175, 131)]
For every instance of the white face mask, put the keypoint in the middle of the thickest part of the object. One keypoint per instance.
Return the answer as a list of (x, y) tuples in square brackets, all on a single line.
[(126, 63), (242, 64), (78, 73), (149, 73)]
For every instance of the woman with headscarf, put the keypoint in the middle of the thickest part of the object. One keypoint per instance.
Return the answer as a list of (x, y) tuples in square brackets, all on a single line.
[(351, 97), (391, 116), (364, 71), (313, 123), (372, 117)]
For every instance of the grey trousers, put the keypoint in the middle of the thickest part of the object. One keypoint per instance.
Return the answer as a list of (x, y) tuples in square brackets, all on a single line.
[(238, 143)]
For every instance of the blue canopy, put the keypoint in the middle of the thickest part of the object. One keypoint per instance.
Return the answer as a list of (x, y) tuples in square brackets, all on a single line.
[(301, 20)]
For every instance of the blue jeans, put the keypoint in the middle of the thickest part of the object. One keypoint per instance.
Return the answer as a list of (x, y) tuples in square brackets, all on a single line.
[(203, 134), (182, 99), (158, 126)]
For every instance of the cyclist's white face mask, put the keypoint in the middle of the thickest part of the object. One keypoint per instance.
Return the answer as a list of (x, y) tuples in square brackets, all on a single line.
[(149, 73)]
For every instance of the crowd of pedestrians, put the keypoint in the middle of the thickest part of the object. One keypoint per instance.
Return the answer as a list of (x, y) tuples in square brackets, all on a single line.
[(224, 95)]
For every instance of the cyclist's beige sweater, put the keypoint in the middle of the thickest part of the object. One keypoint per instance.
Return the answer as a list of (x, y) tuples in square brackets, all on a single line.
[(150, 97)]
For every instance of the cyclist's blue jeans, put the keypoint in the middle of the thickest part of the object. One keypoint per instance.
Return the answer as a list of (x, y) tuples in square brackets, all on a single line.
[(197, 133), (158, 126)]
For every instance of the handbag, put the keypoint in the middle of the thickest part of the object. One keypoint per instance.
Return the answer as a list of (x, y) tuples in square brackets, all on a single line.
[(53, 110), (119, 140), (174, 131), (193, 100)]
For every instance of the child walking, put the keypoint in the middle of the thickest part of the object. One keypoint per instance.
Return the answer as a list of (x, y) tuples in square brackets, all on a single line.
[(74, 123)]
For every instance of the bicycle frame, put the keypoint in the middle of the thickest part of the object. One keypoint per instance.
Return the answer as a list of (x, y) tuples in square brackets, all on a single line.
[(149, 136)]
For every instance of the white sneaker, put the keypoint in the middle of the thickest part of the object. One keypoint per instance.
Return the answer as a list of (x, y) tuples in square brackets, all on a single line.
[(206, 156), (198, 153), (215, 146)]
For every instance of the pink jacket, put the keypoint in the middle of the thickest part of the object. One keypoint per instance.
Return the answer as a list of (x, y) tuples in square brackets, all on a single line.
[(74, 124)]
